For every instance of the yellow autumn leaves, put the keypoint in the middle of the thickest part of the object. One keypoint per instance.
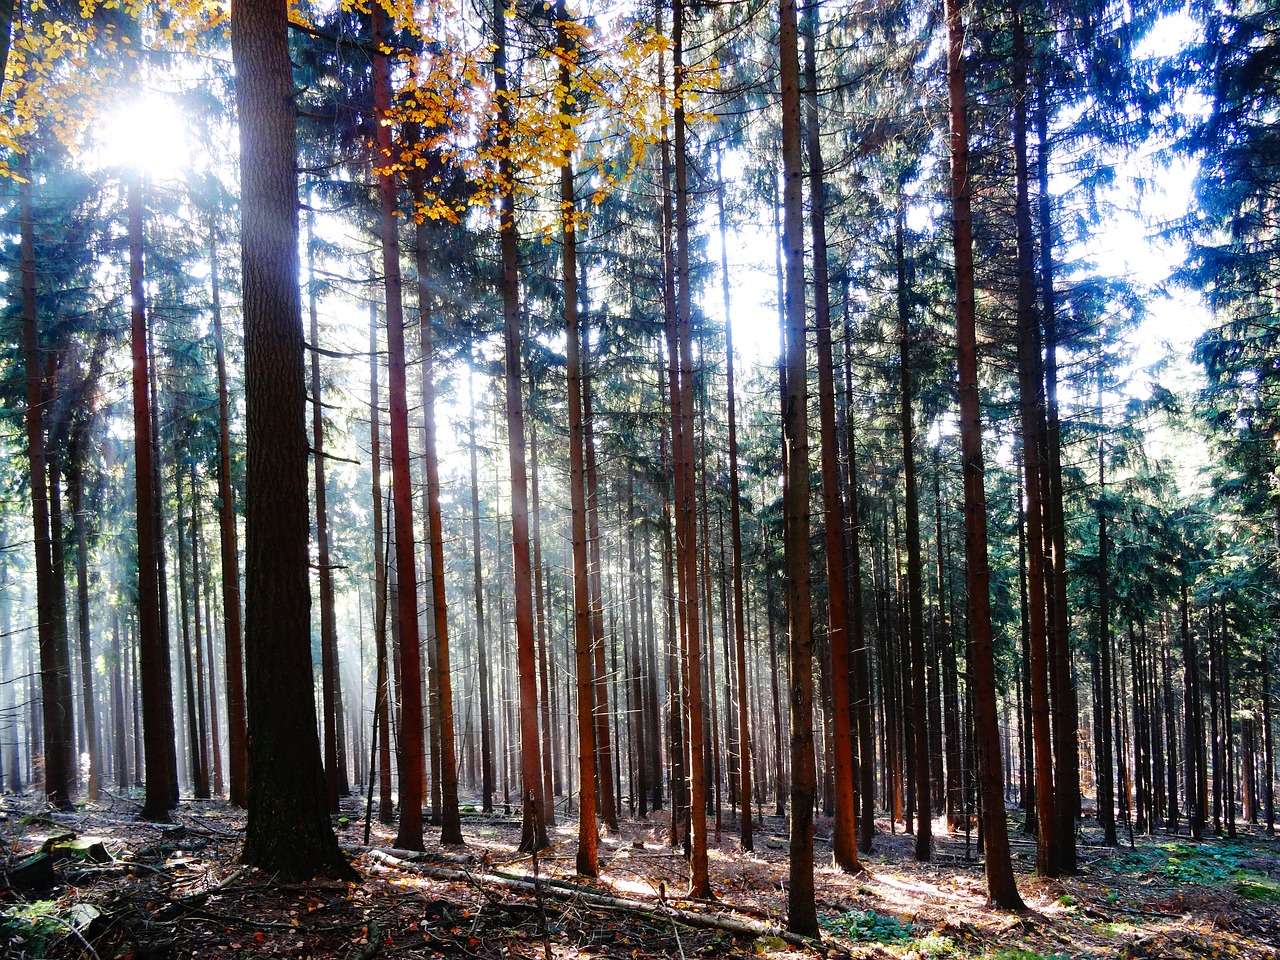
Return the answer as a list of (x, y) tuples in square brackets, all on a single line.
[(67, 64), (70, 62)]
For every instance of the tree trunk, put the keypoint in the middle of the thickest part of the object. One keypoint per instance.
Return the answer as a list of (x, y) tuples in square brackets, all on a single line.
[(735, 524), (683, 444), (288, 832), (844, 843), (411, 741), (161, 759), (186, 586), (1193, 707), (533, 833), (802, 915), (382, 689), (588, 864), (1066, 714), (482, 653), (229, 555), (604, 749), (450, 815), (331, 699), (1031, 392), (1001, 888), (75, 483), (915, 578), (54, 713), (548, 756), (1103, 772)]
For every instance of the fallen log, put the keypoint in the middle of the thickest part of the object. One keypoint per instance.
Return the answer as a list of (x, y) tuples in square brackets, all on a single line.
[(564, 891)]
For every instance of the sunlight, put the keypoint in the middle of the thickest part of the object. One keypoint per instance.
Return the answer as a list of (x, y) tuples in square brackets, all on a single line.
[(146, 134)]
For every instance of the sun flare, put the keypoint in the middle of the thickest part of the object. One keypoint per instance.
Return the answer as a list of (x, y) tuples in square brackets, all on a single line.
[(147, 134)]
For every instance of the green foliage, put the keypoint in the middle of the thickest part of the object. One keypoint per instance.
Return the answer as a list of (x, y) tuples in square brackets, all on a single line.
[(1204, 865), (868, 925), (1019, 953), (1261, 888), (36, 928)]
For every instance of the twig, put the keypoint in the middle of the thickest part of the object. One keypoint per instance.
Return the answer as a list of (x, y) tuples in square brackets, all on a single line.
[(745, 928), (78, 935)]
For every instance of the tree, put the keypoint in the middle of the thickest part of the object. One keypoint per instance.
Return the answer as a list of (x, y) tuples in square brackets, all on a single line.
[(844, 843), (409, 836), (802, 914), (288, 832), (1001, 888)]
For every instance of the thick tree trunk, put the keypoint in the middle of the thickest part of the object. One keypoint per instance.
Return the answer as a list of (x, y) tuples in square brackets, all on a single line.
[(288, 832), (55, 715), (1001, 888)]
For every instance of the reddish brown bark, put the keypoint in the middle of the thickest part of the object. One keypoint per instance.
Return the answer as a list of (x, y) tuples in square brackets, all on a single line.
[(409, 836), (844, 846), (1001, 888), (450, 815), (161, 760)]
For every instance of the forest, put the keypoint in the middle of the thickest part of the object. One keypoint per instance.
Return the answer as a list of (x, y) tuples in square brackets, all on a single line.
[(629, 479)]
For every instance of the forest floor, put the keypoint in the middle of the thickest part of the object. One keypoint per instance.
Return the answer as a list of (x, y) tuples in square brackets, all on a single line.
[(123, 888)]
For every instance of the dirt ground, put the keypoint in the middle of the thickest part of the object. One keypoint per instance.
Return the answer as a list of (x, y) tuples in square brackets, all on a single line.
[(122, 888)]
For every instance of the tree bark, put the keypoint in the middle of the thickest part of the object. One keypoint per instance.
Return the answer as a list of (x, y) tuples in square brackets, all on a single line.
[(588, 864), (331, 697), (1031, 393), (450, 815), (533, 833), (288, 832), (802, 917), (228, 554), (915, 579), (411, 741), (1001, 888), (161, 759), (687, 529), (382, 688), (735, 524), (844, 841), (75, 483)]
